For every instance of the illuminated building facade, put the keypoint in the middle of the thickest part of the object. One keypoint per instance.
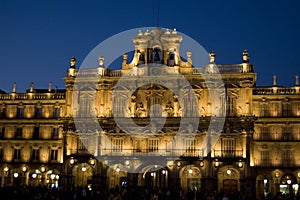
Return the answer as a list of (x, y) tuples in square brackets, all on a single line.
[(256, 152)]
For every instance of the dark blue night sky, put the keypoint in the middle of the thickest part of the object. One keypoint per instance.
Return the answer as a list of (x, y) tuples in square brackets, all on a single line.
[(38, 38)]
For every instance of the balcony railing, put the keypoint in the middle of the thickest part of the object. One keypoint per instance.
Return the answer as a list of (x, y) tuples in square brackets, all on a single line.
[(228, 153), (275, 90), (35, 96), (150, 152)]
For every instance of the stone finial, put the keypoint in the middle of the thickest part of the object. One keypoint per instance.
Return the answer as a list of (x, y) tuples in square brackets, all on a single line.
[(174, 32), (31, 87), (140, 33), (245, 56), (50, 87), (212, 57), (297, 80), (274, 80), (147, 32), (101, 61), (73, 62), (125, 56), (14, 87), (167, 32)]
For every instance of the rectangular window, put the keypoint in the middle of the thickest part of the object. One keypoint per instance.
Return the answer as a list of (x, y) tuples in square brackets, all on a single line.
[(2, 131), (55, 133), (57, 112), (286, 110), (152, 145), (53, 155), (117, 144), (264, 133), (287, 158), (35, 155), (264, 157), (83, 143), (38, 112), (19, 133), (263, 110), (17, 154), (190, 147), (3, 112), (228, 147), (36, 133), (1, 154), (20, 112), (230, 106)]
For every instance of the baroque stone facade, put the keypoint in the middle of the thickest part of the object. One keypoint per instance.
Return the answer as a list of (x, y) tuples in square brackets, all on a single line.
[(49, 136)]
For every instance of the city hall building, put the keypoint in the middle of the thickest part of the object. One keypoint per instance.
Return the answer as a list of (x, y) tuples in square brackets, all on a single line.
[(48, 137)]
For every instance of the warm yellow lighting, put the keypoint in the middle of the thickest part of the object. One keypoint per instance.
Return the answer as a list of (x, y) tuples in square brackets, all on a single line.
[(127, 162), (57, 177), (24, 169), (217, 163), (178, 164), (43, 169), (83, 168), (163, 171), (72, 161), (190, 171), (201, 164), (228, 171), (92, 161), (6, 169), (118, 169), (240, 164)]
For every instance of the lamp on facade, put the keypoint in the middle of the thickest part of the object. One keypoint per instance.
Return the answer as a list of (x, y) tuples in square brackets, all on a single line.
[(163, 172), (190, 170), (52, 176), (118, 169), (16, 174), (228, 171), (178, 164), (289, 181), (72, 161), (83, 168), (92, 161), (265, 180), (6, 169), (240, 164), (201, 164), (217, 163), (24, 169), (33, 175), (127, 162), (43, 169)]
